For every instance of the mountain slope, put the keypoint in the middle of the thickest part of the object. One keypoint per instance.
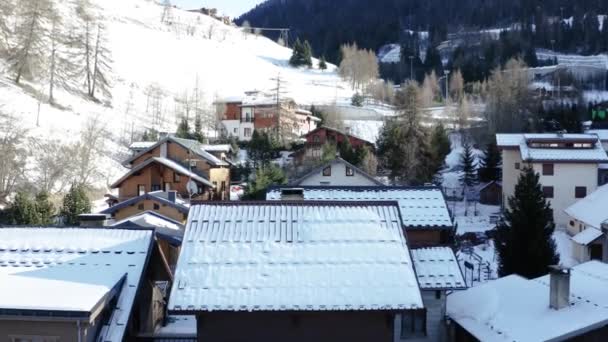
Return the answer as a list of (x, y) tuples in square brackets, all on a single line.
[(173, 57)]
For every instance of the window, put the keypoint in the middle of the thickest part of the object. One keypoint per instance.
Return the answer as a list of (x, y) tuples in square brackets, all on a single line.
[(247, 132), (580, 192), (236, 130), (349, 171), (24, 338), (327, 171), (571, 223), (141, 190), (547, 169), (140, 206), (413, 324), (548, 191), (316, 139), (517, 166), (167, 186), (437, 294), (176, 177), (155, 187), (156, 206), (316, 153)]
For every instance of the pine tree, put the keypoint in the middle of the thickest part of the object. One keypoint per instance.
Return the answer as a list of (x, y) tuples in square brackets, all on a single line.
[(296, 55), (264, 177), (75, 203), (307, 54), (322, 63), (440, 146), (198, 129), (44, 209), (183, 129), (467, 161), (524, 239), (23, 210), (489, 170)]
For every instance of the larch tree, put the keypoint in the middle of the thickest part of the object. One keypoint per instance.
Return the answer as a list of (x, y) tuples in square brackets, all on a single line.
[(463, 113), (13, 152), (7, 9), (102, 65), (61, 67), (430, 90), (469, 169), (524, 238), (456, 86), (83, 40), (28, 55)]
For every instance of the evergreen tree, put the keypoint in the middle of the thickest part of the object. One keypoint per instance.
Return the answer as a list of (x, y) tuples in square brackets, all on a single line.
[(467, 161), (265, 176), (307, 54), (524, 239), (352, 155), (75, 203), (433, 61), (44, 209), (322, 63), (23, 210), (198, 130), (301, 55), (183, 129), (440, 146), (260, 149), (489, 168), (403, 144)]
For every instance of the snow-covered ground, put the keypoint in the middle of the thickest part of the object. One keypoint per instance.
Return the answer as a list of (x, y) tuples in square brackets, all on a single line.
[(595, 61), (145, 52)]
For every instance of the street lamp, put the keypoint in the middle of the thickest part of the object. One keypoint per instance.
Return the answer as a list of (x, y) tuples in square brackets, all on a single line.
[(447, 90)]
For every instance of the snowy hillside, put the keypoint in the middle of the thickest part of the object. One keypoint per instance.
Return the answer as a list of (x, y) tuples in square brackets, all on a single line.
[(147, 53)]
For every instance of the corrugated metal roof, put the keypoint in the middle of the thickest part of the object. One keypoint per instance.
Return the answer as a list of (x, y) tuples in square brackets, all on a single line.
[(294, 257), (437, 268), (58, 269), (421, 207)]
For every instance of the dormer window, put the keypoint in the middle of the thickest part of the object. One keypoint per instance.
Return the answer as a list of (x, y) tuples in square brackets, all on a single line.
[(327, 172)]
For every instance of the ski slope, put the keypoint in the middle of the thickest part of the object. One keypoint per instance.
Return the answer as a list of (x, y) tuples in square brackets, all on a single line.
[(193, 49)]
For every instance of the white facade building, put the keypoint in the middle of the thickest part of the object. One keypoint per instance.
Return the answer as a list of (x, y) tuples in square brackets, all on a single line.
[(585, 224), (567, 164), (337, 172)]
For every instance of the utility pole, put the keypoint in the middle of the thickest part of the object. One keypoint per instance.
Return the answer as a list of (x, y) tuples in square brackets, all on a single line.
[(447, 90), (278, 91), (411, 67)]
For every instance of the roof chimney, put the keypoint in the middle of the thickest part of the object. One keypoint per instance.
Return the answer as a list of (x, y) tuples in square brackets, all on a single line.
[(92, 220), (559, 287), (171, 196)]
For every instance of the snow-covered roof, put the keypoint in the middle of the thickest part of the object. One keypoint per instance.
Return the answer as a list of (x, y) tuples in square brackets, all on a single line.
[(189, 144), (596, 154), (601, 133), (420, 207), (173, 165), (177, 327), (587, 236), (139, 145), (315, 171), (227, 148), (271, 256), (517, 309), (159, 196), (150, 219), (592, 209), (437, 268), (72, 270)]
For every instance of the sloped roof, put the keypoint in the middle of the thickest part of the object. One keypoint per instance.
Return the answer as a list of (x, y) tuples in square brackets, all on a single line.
[(150, 219), (601, 133), (517, 309), (338, 131), (421, 207), (173, 165), (154, 196), (265, 256), (520, 141), (315, 171), (191, 145), (592, 209), (63, 270), (437, 268), (587, 236)]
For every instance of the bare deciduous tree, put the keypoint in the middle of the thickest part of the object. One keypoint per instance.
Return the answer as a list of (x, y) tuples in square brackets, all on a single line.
[(457, 86), (7, 8), (430, 90), (87, 151), (167, 16), (13, 165), (359, 67), (52, 159), (101, 68)]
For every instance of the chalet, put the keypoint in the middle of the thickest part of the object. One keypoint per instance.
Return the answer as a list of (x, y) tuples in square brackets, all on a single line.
[(568, 165), (438, 275), (175, 164), (167, 204), (424, 210), (586, 217), (295, 271), (321, 136), (566, 305), (262, 112), (79, 284), (336, 172)]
